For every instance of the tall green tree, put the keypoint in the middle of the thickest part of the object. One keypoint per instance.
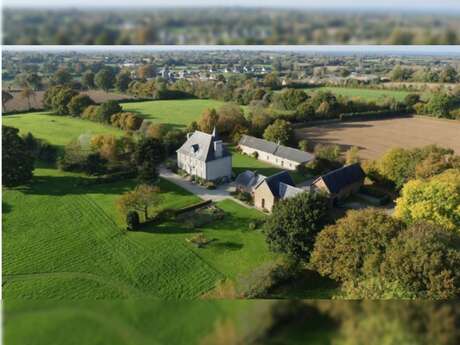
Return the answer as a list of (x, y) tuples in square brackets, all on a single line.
[(279, 131), (294, 223), (105, 79), (17, 161)]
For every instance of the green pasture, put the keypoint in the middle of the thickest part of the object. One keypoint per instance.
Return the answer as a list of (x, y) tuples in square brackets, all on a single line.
[(62, 239), (175, 113)]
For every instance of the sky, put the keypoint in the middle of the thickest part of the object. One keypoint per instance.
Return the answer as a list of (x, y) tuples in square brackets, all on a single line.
[(344, 49), (441, 5)]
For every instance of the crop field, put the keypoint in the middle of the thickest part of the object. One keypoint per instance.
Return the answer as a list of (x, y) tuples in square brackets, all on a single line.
[(373, 138), (65, 240), (175, 113), (365, 94), (57, 130)]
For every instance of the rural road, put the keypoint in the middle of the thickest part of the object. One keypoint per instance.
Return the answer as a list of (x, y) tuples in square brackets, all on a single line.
[(222, 192)]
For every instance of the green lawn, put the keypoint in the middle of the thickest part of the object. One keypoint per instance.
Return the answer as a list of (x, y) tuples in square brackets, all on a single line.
[(176, 113), (132, 321), (65, 240), (365, 94), (243, 162), (57, 130), (157, 322)]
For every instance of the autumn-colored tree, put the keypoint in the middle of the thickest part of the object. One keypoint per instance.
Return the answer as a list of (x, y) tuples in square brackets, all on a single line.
[(436, 200), (279, 131), (141, 199), (208, 120), (106, 145), (352, 155)]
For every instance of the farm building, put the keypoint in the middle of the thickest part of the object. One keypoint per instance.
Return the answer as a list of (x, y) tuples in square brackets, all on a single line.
[(204, 155), (340, 183), (274, 188), (247, 181), (270, 152)]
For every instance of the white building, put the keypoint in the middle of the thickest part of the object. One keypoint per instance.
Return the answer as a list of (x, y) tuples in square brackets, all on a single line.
[(204, 155), (267, 151)]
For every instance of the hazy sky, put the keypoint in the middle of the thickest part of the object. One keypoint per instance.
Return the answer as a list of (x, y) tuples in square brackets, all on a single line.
[(360, 4), (349, 49)]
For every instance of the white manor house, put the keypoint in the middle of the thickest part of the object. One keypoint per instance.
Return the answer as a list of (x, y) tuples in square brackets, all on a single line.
[(204, 155)]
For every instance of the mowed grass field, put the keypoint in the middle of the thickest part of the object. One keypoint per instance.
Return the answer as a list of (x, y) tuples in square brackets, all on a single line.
[(365, 94), (175, 113), (154, 322), (374, 138), (63, 240), (57, 130), (133, 321)]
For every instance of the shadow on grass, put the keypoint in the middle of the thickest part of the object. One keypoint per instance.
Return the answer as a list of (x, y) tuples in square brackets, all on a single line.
[(6, 208), (227, 245)]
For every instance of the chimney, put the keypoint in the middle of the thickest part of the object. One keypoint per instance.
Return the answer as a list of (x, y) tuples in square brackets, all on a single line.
[(218, 149), (189, 135)]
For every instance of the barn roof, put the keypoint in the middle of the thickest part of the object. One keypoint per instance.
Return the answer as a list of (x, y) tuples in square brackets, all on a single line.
[(340, 178), (281, 151), (249, 179)]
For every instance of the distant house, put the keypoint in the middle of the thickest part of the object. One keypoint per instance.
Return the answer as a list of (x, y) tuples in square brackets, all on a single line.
[(204, 155), (247, 181), (283, 156), (274, 188), (340, 183)]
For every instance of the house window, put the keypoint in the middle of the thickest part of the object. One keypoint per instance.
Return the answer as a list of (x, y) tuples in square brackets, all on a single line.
[(263, 203), (282, 163)]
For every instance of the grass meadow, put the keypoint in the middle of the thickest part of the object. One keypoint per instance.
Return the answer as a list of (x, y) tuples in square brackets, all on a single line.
[(365, 94), (175, 113), (57, 130), (62, 239)]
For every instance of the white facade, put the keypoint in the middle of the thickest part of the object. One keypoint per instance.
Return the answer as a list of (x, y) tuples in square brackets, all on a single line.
[(205, 156), (270, 158)]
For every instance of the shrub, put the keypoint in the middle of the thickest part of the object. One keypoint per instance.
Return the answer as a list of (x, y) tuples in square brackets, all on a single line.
[(259, 282), (126, 121), (132, 220), (95, 164), (199, 240), (91, 113), (79, 103), (107, 109)]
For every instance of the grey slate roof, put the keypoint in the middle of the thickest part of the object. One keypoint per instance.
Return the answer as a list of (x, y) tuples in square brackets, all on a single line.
[(274, 182), (286, 191), (249, 179), (338, 179), (281, 151), (200, 145)]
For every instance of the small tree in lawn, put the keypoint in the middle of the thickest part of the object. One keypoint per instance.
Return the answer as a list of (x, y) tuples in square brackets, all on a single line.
[(132, 220), (140, 199), (294, 224)]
